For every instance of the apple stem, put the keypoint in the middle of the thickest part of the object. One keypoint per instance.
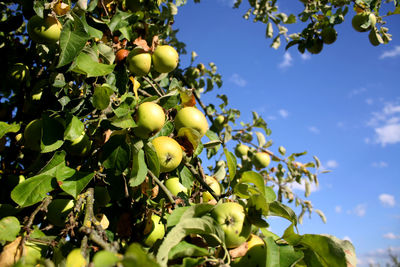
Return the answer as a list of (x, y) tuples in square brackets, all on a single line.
[(160, 93), (160, 184)]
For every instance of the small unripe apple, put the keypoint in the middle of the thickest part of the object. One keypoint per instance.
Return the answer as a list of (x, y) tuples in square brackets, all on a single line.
[(232, 219), (316, 46), (157, 230), (193, 118), (241, 150), (75, 259), (261, 160), (374, 38), (214, 185), (175, 187), (328, 35), (139, 62), (33, 135), (255, 255), (19, 72), (44, 31), (364, 18), (121, 56), (169, 153), (150, 118), (80, 146), (165, 59)]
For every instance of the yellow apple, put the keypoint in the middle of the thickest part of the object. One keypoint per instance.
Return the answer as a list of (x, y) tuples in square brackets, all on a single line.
[(165, 58), (193, 118), (169, 153)]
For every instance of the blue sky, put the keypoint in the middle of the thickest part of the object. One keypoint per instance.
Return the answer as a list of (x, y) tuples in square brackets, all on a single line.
[(342, 106)]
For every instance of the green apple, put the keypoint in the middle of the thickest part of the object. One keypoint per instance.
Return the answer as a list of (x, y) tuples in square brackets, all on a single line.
[(192, 73), (58, 211), (255, 255), (150, 118), (374, 38), (80, 146), (33, 135), (175, 187), (165, 58), (232, 219), (316, 46), (44, 31), (139, 62), (328, 35), (157, 230), (193, 118), (19, 72), (169, 153), (261, 160), (75, 259), (241, 150), (363, 22), (214, 185)]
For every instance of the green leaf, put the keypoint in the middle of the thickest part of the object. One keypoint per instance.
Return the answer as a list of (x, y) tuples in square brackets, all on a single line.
[(75, 183), (116, 153), (152, 159), (74, 129), (120, 19), (261, 139), (123, 122), (9, 228), (72, 40), (139, 169), (135, 255), (232, 164), (176, 215), (272, 255), (166, 130), (288, 256), (35, 189), (186, 177), (8, 128), (185, 249), (84, 64), (105, 258), (278, 209), (93, 32), (251, 177), (101, 97), (52, 134), (170, 100)]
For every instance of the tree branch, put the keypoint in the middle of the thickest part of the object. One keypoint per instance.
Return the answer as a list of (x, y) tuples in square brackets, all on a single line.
[(201, 179), (160, 184)]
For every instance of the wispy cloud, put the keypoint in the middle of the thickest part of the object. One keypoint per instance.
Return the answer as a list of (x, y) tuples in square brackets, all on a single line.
[(227, 2), (314, 129), (238, 80), (357, 91), (369, 101), (391, 236), (286, 62), (386, 124), (284, 113), (338, 209), (360, 210), (391, 53), (379, 164), (387, 200), (302, 187), (332, 164), (378, 256), (305, 56)]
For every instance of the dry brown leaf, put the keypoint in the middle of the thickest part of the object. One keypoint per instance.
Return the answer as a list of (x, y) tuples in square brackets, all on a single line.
[(154, 43), (142, 43), (240, 251), (11, 253)]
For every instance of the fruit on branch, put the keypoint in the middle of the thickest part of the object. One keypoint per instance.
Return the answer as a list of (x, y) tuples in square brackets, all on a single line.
[(232, 219), (241, 150), (58, 210), (175, 187), (255, 255), (155, 229), (80, 146), (328, 35), (374, 38), (201, 68), (316, 46), (33, 135), (165, 58), (150, 118), (75, 259), (214, 185), (261, 160), (364, 21), (192, 73), (44, 31), (139, 62), (121, 56), (169, 153), (19, 72), (193, 118)]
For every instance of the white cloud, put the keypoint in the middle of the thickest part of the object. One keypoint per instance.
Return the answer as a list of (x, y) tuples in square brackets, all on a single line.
[(301, 187), (387, 200), (238, 80), (347, 238), (284, 113), (286, 62), (305, 56), (391, 236), (379, 164), (332, 164), (369, 101), (391, 53), (338, 209), (357, 91), (359, 210), (386, 124), (227, 2), (314, 129), (379, 256)]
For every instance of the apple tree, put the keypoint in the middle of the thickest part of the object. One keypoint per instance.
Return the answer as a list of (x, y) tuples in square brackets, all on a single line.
[(103, 135)]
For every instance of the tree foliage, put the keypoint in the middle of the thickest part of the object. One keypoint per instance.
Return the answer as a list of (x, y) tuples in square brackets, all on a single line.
[(82, 178)]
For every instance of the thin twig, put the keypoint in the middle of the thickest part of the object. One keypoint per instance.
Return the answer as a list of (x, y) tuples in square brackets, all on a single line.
[(152, 85), (143, 92), (201, 179), (160, 184)]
